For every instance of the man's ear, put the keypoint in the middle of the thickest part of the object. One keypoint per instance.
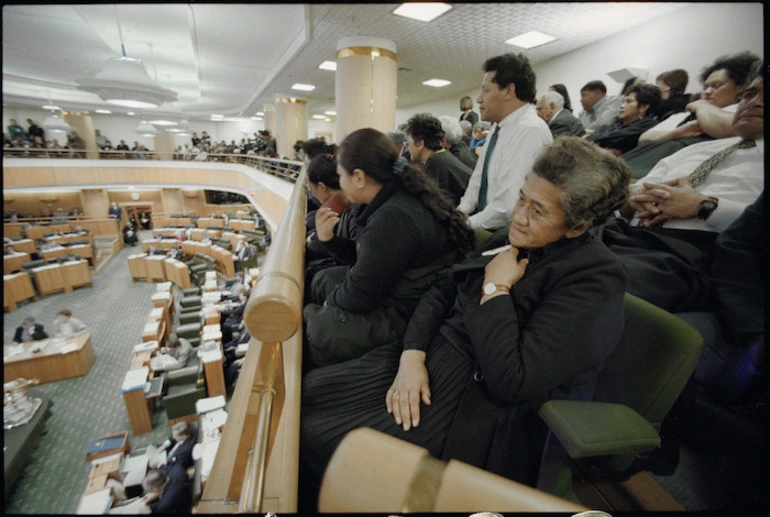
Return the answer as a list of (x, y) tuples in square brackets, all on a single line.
[(509, 92)]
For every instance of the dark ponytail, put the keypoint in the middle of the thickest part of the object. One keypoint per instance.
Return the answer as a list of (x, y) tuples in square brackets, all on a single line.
[(373, 152)]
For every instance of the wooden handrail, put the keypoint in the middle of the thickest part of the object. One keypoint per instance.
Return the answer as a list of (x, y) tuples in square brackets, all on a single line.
[(259, 449)]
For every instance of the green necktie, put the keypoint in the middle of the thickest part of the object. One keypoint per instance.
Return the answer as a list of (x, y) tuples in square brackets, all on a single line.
[(701, 173), (482, 204)]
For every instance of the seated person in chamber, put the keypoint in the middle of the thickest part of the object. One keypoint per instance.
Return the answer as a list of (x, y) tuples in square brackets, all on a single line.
[(65, 325), (407, 235), (178, 447), (29, 331), (167, 492), (178, 354), (498, 335), (633, 120)]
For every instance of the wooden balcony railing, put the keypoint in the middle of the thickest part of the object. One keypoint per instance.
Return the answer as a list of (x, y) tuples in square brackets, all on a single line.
[(286, 169), (257, 462)]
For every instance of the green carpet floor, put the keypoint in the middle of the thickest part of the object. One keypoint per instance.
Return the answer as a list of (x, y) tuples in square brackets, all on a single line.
[(84, 408)]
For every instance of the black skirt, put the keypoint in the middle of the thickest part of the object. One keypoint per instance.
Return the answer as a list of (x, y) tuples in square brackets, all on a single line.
[(339, 398)]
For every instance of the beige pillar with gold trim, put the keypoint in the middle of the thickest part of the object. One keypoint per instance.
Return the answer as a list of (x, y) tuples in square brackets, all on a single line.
[(164, 144), (365, 85), (270, 119), (290, 124), (84, 127)]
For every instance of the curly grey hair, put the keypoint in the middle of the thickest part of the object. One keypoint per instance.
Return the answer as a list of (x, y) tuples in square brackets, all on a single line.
[(595, 182), (453, 132)]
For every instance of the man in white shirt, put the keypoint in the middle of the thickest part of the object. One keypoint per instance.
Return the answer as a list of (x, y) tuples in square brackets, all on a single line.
[(516, 137), (599, 109), (681, 207), (65, 325)]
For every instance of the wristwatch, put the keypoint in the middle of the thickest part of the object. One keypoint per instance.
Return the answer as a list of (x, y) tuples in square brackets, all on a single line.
[(706, 207), (492, 288)]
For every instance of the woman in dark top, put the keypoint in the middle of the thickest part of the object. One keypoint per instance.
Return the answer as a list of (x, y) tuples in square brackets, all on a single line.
[(562, 90), (407, 234), (673, 99), (498, 335), (634, 119), (466, 106)]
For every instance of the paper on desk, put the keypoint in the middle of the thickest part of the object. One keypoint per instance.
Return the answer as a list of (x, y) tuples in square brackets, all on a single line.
[(135, 379), (211, 355), (15, 350), (208, 455), (130, 507), (242, 348), (95, 503), (156, 455), (69, 347), (209, 404), (163, 286), (147, 346), (162, 362), (107, 459), (213, 419)]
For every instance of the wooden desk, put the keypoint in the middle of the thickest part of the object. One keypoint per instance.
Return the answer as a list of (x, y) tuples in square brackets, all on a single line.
[(155, 330), (192, 247), (50, 364), (136, 266), (166, 232), (214, 373), (12, 263), (205, 222), (234, 238), (164, 244), (85, 251), (65, 239), (154, 267), (213, 234), (224, 259), (75, 274), (17, 287), (49, 279), (239, 225), (36, 233), (25, 246), (138, 409), (196, 234)]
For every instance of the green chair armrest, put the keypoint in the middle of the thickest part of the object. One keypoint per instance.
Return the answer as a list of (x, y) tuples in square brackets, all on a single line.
[(589, 429)]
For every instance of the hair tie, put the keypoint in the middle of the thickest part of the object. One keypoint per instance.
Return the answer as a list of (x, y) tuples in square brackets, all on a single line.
[(399, 166), (328, 157)]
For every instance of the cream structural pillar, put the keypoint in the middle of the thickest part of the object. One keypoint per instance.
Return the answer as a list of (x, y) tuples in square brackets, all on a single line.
[(95, 202), (85, 130), (365, 85), (164, 144), (290, 124), (172, 199), (270, 119)]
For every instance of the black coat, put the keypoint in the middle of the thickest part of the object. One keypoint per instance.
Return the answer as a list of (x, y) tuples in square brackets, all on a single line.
[(177, 496), (566, 124), (37, 334), (472, 117), (451, 174), (462, 152), (623, 137)]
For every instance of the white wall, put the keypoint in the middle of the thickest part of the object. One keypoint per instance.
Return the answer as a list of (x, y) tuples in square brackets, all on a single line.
[(690, 38)]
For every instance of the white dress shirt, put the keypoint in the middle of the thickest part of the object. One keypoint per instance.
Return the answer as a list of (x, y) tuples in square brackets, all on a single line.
[(673, 121), (606, 110), (521, 137), (736, 182)]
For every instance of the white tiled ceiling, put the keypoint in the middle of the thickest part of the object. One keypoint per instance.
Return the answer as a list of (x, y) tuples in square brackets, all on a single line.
[(235, 58)]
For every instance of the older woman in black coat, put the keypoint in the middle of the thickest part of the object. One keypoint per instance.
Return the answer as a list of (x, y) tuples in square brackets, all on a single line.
[(498, 336), (635, 118)]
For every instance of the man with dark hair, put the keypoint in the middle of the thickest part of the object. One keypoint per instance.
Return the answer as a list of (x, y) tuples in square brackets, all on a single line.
[(599, 109), (167, 492), (425, 140), (517, 136), (314, 147)]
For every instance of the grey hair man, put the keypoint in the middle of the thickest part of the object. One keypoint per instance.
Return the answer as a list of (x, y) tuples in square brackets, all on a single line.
[(453, 141), (467, 128), (550, 107)]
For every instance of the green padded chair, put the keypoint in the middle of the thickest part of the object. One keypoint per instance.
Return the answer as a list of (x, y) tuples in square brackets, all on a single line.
[(186, 318), (32, 264), (228, 229), (191, 332), (78, 242), (185, 387), (191, 301), (191, 291), (639, 384)]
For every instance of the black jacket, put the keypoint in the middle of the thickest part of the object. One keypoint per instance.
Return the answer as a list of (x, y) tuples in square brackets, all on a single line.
[(451, 174), (623, 137), (566, 124), (462, 152), (38, 333), (177, 496)]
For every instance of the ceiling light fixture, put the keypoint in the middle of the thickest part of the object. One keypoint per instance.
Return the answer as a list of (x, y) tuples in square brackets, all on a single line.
[(146, 129), (436, 83), (51, 107), (530, 39), (124, 81), (54, 123), (333, 113), (328, 65), (303, 87), (104, 112), (130, 113), (182, 127), (319, 117), (422, 11), (256, 118), (260, 114), (163, 122)]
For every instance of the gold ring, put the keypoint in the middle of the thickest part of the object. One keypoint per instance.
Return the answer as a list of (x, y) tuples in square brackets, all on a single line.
[(395, 394)]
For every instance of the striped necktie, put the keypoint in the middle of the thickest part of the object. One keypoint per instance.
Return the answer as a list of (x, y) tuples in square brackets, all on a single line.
[(482, 203), (701, 173)]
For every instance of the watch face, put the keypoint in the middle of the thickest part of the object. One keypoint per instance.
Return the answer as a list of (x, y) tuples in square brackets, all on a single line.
[(708, 205), (489, 288)]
